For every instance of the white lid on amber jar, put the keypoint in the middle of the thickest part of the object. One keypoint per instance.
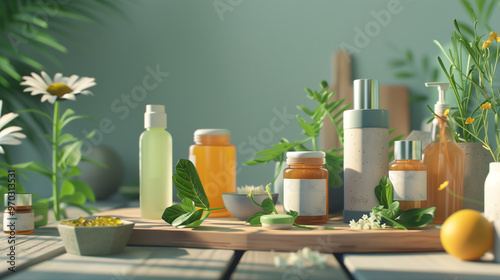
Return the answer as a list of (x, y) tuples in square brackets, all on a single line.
[(211, 131), (18, 199), (311, 157), (309, 154)]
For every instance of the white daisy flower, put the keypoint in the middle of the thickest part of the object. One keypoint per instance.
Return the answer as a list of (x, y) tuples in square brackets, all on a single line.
[(59, 87), (11, 134)]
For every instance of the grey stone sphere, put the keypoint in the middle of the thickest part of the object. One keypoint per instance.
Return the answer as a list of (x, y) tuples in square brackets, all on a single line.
[(104, 181)]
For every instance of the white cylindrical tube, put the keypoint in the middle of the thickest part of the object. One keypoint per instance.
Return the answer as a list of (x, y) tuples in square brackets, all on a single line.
[(366, 150)]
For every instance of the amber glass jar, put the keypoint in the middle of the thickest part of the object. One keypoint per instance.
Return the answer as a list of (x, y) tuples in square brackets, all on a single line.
[(305, 187), (215, 160), (18, 217), (408, 175)]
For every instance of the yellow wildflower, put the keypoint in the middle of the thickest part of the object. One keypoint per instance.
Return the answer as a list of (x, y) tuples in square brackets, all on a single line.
[(493, 36), (469, 120), (250, 193), (443, 185), (446, 112), (486, 44), (486, 105)]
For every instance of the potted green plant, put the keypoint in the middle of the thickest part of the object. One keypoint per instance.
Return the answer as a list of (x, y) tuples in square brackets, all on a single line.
[(471, 74)]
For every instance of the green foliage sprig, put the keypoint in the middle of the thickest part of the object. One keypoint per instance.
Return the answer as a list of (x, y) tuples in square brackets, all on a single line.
[(192, 194), (471, 77), (334, 111), (66, 155), (389, 209)]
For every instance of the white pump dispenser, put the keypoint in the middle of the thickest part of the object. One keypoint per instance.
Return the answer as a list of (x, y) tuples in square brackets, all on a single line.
[(441, 105)]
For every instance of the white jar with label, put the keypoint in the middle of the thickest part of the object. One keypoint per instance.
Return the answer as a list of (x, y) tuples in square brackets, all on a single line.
[(305, 187), (408, 175)]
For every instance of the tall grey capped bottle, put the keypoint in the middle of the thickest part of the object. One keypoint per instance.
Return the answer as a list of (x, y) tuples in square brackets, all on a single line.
[(155, 164), (366, 149)]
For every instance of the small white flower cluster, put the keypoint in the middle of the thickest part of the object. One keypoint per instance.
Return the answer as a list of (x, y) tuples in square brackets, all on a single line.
[(246, 189), (368, 223), (302, 259)]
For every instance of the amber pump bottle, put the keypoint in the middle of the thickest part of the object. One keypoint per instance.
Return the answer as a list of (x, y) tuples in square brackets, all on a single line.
[(408, 175), (445, 161)]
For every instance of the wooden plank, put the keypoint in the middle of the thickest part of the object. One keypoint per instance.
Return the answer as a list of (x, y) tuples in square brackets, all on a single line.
[(31, 249), (230, 233), (419, 266), (134, 263), (260, 265)]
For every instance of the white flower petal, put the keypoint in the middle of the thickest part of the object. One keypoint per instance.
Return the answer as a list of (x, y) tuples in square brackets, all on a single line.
[(39, 79), (33, 83), (71, 80), (47, 78), (58, 77), (1, 150), (18, 135), (69, 96), (10, 141), (5, 119), (8, 130)]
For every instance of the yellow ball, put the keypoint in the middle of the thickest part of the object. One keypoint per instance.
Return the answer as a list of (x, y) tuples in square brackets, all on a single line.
[(467, 235)]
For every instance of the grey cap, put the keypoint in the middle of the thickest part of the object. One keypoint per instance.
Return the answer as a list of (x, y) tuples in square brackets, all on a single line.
[(365, 94), (408, 150)]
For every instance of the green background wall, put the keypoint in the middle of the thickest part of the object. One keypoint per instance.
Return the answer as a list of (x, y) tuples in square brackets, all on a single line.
[(235, 68)]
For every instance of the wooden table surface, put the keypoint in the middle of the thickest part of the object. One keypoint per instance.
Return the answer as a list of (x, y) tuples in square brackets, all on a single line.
[(42, 256)]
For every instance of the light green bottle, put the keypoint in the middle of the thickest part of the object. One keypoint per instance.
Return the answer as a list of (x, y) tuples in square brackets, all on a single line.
[(155, 164)]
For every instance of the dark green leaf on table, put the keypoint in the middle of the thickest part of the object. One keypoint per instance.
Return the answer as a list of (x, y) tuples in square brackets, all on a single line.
[(188, 183), (254, 220), (268, 205)]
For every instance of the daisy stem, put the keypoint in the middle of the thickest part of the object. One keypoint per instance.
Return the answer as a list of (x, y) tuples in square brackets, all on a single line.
[(55, 171)]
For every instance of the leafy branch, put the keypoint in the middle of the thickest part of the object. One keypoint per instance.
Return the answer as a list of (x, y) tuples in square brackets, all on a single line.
[(334, 111), (192, 194), (389, 209), (66, 155)]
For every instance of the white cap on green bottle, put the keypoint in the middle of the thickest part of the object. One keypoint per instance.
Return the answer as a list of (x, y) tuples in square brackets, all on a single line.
[(155, 116)]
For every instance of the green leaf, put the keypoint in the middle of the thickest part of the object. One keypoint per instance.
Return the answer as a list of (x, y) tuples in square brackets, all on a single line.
[(72, 118), (171, 213), (187, 219), (308, 128), (292, 213), (77, 198), (72, 172), (71, 154), (84, 159), (83, 188), (418, 217), (254, 220), (393, 211), (35, 167), (384, 192), (67, 188), (66, 114), (66, 138), (188, 183), (268, 205), (188, 205)]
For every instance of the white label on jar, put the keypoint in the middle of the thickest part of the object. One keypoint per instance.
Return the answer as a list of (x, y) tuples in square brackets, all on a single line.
[(409, 185), (306, 196), (18, 222)]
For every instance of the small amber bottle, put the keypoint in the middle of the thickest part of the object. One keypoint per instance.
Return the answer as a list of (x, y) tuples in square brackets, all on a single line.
[(305, 187), (18, 217), (408, 175)]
